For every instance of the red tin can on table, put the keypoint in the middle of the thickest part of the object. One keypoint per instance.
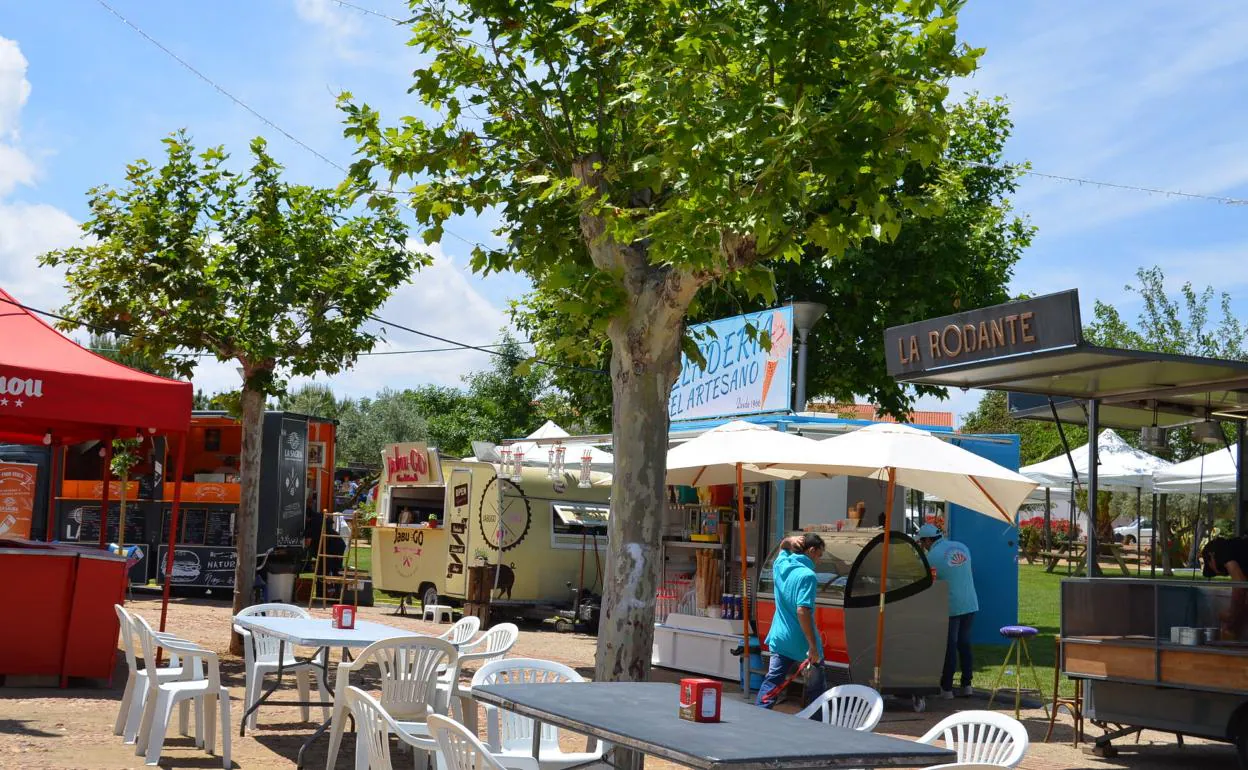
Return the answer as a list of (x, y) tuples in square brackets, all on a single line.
[(344, 616), (700, 699)]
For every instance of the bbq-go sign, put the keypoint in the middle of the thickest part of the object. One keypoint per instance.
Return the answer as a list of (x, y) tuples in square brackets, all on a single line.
[(410, 463), (742, 375)]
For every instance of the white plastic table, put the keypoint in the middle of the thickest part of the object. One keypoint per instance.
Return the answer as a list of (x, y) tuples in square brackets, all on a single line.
[(321, 634)]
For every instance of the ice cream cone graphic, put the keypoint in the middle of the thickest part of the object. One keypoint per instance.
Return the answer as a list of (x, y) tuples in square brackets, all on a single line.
[(781, 344)]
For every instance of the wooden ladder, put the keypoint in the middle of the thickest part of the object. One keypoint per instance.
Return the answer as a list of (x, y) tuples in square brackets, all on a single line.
[(349, 561)]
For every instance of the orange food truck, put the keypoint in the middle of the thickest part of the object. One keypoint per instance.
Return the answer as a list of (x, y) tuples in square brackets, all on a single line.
[(296, 472)]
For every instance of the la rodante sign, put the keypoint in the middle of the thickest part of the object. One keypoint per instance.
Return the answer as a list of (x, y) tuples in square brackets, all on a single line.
[(1025, 326)]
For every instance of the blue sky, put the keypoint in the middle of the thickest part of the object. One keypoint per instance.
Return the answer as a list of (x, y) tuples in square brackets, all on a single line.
[(1127, 91)]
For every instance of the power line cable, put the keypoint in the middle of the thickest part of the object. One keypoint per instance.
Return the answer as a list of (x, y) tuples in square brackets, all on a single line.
[(573, 367), (1022, 169), (369, 11)]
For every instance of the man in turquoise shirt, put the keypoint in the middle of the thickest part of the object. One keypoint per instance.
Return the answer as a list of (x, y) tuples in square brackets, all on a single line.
[(793, 637), (952, 562)]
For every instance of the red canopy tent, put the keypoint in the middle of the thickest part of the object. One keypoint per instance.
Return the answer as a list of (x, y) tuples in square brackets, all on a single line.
[(54, 391)]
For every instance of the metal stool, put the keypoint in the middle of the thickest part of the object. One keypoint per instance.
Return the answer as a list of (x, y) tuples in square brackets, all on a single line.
[(1074, 706), (1018, 636)]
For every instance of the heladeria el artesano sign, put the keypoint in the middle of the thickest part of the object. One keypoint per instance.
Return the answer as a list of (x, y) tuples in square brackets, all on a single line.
[(1026, 326)]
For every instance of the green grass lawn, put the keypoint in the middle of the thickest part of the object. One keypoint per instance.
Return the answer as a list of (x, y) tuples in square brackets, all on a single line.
[(1039, 604)]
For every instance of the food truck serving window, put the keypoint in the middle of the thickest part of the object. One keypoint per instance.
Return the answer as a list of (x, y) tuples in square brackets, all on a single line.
[(570, 522)]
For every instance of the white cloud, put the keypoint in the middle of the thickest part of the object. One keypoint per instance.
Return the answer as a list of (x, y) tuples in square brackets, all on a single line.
[(338, 25), (26, 229), (442, 299)]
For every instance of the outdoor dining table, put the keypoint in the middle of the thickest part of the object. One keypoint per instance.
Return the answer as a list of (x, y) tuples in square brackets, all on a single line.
[(645, 716), (320, 634)]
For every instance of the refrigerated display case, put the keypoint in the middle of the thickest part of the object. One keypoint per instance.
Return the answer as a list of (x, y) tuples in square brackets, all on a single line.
[(916, 611)]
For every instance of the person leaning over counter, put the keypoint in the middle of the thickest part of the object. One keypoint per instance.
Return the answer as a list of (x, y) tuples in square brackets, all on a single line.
[(1229, 557), (952, 562)]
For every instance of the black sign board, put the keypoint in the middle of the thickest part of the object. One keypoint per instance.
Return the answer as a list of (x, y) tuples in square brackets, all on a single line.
[(461, 495), (292, 453), (81, 523), (219, 529), (199, 566), (1025, 326)]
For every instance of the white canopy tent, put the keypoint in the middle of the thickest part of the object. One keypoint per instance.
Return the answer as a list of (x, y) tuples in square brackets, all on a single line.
[(539, 453), (1122, 466), (1209, 474)]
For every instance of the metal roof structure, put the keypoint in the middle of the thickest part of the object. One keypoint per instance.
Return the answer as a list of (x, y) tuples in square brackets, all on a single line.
[(1035, 350)]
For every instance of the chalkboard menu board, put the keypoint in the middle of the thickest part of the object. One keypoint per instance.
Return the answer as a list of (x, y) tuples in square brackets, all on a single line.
[(219, 529), (292, 477), (201, 526), (81, 523), (199, 566)]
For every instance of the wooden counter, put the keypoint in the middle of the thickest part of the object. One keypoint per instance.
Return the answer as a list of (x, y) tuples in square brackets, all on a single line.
[(1144, 660)]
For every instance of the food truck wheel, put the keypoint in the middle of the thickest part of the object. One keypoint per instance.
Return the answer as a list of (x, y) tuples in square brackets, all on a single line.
[(919, 703), (429, 596)]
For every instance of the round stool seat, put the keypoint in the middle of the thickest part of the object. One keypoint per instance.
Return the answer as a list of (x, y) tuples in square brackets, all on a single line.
[(1018, 632)]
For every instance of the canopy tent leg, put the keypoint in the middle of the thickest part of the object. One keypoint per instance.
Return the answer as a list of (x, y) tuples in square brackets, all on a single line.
[(1152, 541), (1139, 528), (745, 587), (1094, 429), (1048, 530), (55, 468)]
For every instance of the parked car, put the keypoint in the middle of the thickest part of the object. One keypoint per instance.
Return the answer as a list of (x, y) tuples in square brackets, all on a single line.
[(1140, 530)]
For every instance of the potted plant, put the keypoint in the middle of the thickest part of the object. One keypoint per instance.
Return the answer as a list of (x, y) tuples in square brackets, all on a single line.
[(433, 521)]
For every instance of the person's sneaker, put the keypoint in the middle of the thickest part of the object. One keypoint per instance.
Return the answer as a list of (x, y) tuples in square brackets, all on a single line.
[(964, 692), (946, 694)]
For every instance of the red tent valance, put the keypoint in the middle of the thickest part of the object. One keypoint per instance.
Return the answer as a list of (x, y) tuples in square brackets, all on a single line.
[(51, 383)]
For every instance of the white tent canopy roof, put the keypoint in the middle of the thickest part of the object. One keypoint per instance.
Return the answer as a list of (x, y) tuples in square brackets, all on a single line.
[(539, 454), (1213, 473), (1121, 466)]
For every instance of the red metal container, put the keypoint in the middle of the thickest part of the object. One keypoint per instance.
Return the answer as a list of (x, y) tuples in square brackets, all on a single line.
[(700, 699), (344, 616)]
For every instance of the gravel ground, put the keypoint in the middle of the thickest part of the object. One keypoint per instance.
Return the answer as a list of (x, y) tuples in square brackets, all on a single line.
[(72, 728)]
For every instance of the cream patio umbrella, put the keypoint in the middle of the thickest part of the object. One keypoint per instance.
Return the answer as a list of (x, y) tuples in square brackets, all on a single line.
[(916, 459), (735, 453)]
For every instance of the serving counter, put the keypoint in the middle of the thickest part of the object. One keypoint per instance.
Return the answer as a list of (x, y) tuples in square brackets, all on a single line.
[(60, 601), (1122, 638)]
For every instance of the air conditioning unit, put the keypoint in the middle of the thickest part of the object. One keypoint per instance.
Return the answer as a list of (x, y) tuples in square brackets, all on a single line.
[(1153, 439), (1207, 432)]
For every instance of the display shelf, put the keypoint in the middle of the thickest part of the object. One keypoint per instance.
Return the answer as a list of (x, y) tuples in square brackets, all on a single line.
[(693, 544)]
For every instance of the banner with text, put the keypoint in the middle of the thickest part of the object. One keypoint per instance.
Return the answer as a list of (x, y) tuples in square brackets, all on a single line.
[(17, 498), (741, 376)]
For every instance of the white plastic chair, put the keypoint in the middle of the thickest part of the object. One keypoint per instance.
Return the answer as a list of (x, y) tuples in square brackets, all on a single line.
[(144, 687), (493, 645), (509, 736), (459, 749), (260, 659), (373, 728), (409, 676), (130, 714), (966, 766), (983, 737), (852, 706), (463, 630), (207, 693)]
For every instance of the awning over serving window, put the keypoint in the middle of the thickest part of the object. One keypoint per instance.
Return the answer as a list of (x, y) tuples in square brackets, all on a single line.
[(582, 515)]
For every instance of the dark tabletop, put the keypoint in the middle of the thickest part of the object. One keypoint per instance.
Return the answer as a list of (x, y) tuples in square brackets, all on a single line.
[(646, 716)]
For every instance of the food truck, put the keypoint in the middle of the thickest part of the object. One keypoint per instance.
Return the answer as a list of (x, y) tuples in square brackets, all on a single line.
[(296, 464), (916, 611), (543, 542)]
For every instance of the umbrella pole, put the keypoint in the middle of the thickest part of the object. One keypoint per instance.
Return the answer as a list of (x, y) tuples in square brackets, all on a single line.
[(745, 585), (879, 621)]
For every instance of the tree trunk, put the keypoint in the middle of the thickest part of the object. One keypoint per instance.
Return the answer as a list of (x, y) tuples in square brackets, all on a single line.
[(246, 524)]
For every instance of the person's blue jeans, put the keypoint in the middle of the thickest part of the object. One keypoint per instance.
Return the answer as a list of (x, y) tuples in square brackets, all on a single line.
[(958, 650), (778, 670)]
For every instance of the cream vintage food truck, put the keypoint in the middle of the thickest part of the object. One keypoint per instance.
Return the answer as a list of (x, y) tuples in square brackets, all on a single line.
[(545, 542)]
